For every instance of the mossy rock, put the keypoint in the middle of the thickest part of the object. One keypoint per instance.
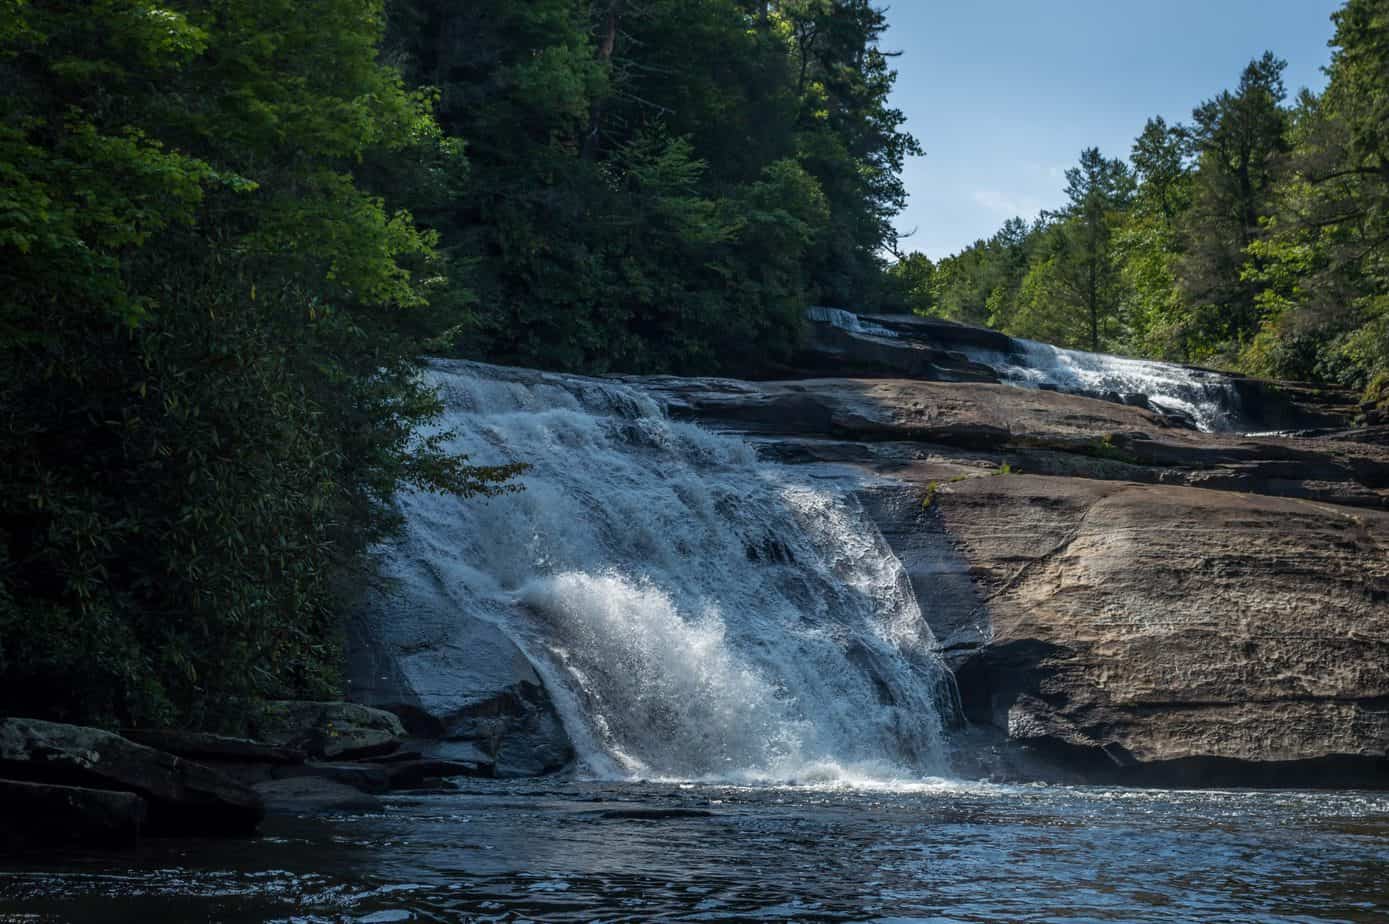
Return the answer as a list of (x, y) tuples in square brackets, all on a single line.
[(329, 731)]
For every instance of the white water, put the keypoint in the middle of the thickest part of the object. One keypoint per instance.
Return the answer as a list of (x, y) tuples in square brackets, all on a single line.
[(847, 320), (1207, 398), (695, 614)]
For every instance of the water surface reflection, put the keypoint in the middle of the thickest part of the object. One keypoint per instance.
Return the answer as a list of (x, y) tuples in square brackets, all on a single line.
[(638, 852)]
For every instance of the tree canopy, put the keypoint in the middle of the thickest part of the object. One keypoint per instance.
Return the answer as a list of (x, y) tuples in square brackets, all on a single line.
[(1253, 237)]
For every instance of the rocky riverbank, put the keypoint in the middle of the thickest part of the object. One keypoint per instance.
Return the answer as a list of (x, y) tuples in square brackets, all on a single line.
[(69, 784)]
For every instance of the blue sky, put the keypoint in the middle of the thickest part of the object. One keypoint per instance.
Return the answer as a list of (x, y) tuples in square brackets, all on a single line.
[(1004, 94)]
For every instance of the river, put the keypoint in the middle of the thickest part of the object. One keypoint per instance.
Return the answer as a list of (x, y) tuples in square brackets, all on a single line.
[(586, 851)]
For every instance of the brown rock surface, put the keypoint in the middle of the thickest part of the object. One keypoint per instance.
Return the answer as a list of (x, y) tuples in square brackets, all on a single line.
[(1042, 432), (1144, 602), (1165, 624)]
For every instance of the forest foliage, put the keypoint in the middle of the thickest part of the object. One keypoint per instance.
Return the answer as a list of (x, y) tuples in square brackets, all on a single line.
[(1254, 237), (656, 185), (229, 228)]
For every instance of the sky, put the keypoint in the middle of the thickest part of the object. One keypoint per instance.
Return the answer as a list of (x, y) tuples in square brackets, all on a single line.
[(1004, 94)]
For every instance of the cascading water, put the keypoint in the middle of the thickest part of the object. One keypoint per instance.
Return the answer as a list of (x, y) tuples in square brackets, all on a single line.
[(847, 320), (1207, 398), (694, 612)]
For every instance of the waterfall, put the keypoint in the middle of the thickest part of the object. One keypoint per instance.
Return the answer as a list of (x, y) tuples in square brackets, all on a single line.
[(847, 320), (694, 612), (1208, 399)]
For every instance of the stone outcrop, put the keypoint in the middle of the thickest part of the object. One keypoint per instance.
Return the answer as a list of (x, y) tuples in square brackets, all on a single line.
[(853, 348), (208, 748), (35, 814), (324, 755), (315, 796), (329, 731), (906, 346), (455, 680), (182, 797), (1176, 631), (917, 425), (1126, 600), (1122, 597)]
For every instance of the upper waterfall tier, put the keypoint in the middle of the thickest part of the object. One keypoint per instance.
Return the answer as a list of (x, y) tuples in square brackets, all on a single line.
[(1209, 400), (846, 344), (694, 612)]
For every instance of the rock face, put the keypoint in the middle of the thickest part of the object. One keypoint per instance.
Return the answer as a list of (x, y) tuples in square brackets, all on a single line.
[(1142, 603), (209, 748), (314, 796), (455, 679), (329, 731), (37, 814), (183, 797), (1176, 630)]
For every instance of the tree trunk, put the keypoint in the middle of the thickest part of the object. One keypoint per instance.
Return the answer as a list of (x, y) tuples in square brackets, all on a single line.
[(605, 54)]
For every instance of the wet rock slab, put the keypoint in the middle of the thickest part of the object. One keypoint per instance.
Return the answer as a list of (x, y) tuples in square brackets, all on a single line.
[(37, 814), (183, 797), (201, 746), (314, 795), (329, 731)]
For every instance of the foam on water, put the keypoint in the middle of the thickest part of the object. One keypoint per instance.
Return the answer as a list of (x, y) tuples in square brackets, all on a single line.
[(847, 320), (1207, 398), (695, 614)]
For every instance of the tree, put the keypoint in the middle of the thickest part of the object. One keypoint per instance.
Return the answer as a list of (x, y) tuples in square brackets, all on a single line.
[(208, 331), (1239, 139), (1324, 264), (620, 156), (914, 276), (851, 139), (1150, 243), (1077, 284)]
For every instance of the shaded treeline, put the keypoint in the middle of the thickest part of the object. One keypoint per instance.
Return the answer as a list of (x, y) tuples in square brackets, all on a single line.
[(655, 184)]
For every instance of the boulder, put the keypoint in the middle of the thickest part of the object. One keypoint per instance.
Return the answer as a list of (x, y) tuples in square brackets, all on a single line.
[(1154, 634), (214, 748), (331, 731), (183, 797), (33, 814), (366, 777), (452, 677), (307, 795), (412, 774)]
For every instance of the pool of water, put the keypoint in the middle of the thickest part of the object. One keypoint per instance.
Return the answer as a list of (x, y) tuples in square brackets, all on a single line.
[(575, 851)]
